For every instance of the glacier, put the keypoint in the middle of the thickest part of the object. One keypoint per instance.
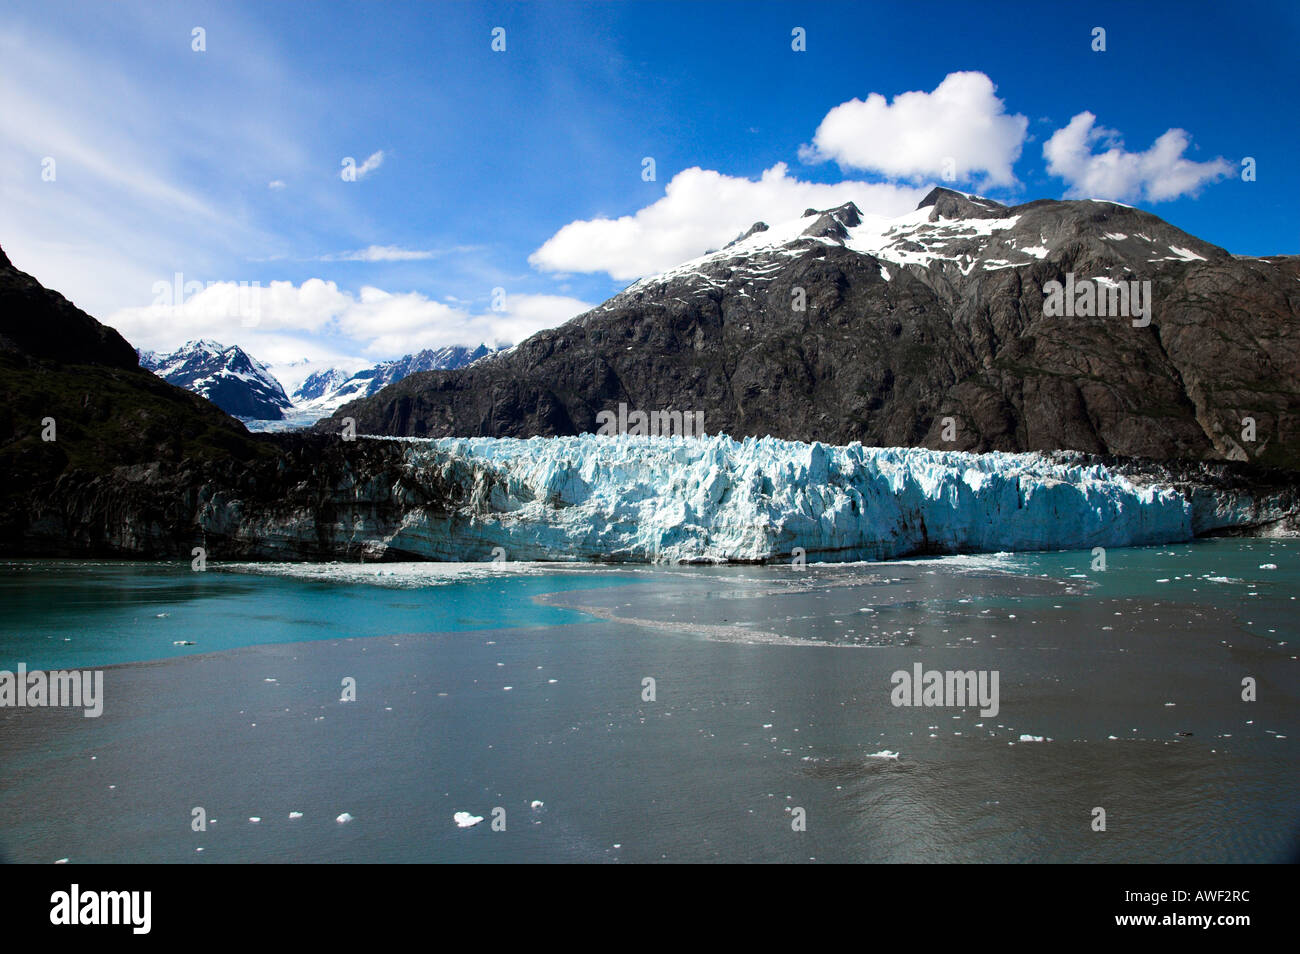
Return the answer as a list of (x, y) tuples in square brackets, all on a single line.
[(629, 498)]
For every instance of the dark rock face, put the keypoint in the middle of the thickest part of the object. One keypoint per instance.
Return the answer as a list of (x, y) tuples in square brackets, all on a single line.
[(287, 497), (941, 317), (141, 468), (63, 330)]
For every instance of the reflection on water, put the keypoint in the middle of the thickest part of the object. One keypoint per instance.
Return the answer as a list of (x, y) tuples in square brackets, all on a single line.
[(1133, 675)]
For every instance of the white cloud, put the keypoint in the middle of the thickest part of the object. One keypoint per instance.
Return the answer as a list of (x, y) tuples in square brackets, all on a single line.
[(379, 253), (702, 210), (275, 184), (525, 315), (375, 160), (962, 123), (283, 322), (1158, 174), (128, 197), (393, 253)]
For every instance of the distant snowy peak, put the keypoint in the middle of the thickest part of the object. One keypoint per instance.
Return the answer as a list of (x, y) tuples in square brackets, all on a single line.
[(319, 384), (955, 233), (329, 389), (229, 377)]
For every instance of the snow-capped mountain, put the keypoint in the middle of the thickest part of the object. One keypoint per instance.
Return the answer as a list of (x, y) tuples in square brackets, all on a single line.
[(148, 470), (326, 390), (932, 329), (952, 231), (229, 377)]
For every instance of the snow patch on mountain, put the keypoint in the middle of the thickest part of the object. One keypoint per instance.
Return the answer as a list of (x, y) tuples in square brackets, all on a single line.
[(327, 390), (229, 377), (948, 230)]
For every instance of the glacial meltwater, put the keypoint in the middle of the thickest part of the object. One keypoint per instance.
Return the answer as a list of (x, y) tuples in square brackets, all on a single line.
[(1147, 711)]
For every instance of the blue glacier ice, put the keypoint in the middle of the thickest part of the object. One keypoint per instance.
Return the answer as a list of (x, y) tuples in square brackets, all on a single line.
[(660, 499)]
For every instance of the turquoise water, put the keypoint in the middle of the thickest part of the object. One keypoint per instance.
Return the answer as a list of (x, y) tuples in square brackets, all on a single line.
[(1132, 676), (60, 614)]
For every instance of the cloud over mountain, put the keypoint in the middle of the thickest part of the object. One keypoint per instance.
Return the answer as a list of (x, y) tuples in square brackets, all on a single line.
[(1157, 174), (702, 209), (961, 128)]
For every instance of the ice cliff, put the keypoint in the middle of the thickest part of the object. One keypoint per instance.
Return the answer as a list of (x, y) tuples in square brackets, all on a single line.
[(716, 499)]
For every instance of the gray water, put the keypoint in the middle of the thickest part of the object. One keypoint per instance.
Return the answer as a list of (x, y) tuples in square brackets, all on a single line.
[(772, 703)]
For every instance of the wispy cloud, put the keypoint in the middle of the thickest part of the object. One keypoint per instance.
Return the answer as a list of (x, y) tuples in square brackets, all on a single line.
[(392, 253), (373, 162)]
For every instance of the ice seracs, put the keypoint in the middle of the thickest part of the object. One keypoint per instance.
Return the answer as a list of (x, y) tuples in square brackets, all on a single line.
[(646, 499)]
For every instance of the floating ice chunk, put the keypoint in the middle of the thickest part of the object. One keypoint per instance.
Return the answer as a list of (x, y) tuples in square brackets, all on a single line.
[(1268, 566), (1025, 737), (535, 803), (293, 815), (344, 818), (256, 820), (883, 754), (466, 820)]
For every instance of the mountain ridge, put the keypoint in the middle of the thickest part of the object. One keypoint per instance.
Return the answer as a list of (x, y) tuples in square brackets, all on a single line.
[(327, 389), (226, 375), (915, 330), (141, 468)]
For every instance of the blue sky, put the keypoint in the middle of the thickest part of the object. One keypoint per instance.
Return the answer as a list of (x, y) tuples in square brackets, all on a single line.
[(494, 170)]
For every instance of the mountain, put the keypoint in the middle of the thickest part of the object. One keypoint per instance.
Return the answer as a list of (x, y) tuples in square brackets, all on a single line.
[(328, 389), (939, 314), (63, 329), (78, 417), (100, 457), (227, 376)]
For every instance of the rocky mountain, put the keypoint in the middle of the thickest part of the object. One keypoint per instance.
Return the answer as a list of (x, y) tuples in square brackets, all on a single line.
[(941, 328), (78, 415), (63, 330), (100, 457), (229, 377), (328, 389)]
